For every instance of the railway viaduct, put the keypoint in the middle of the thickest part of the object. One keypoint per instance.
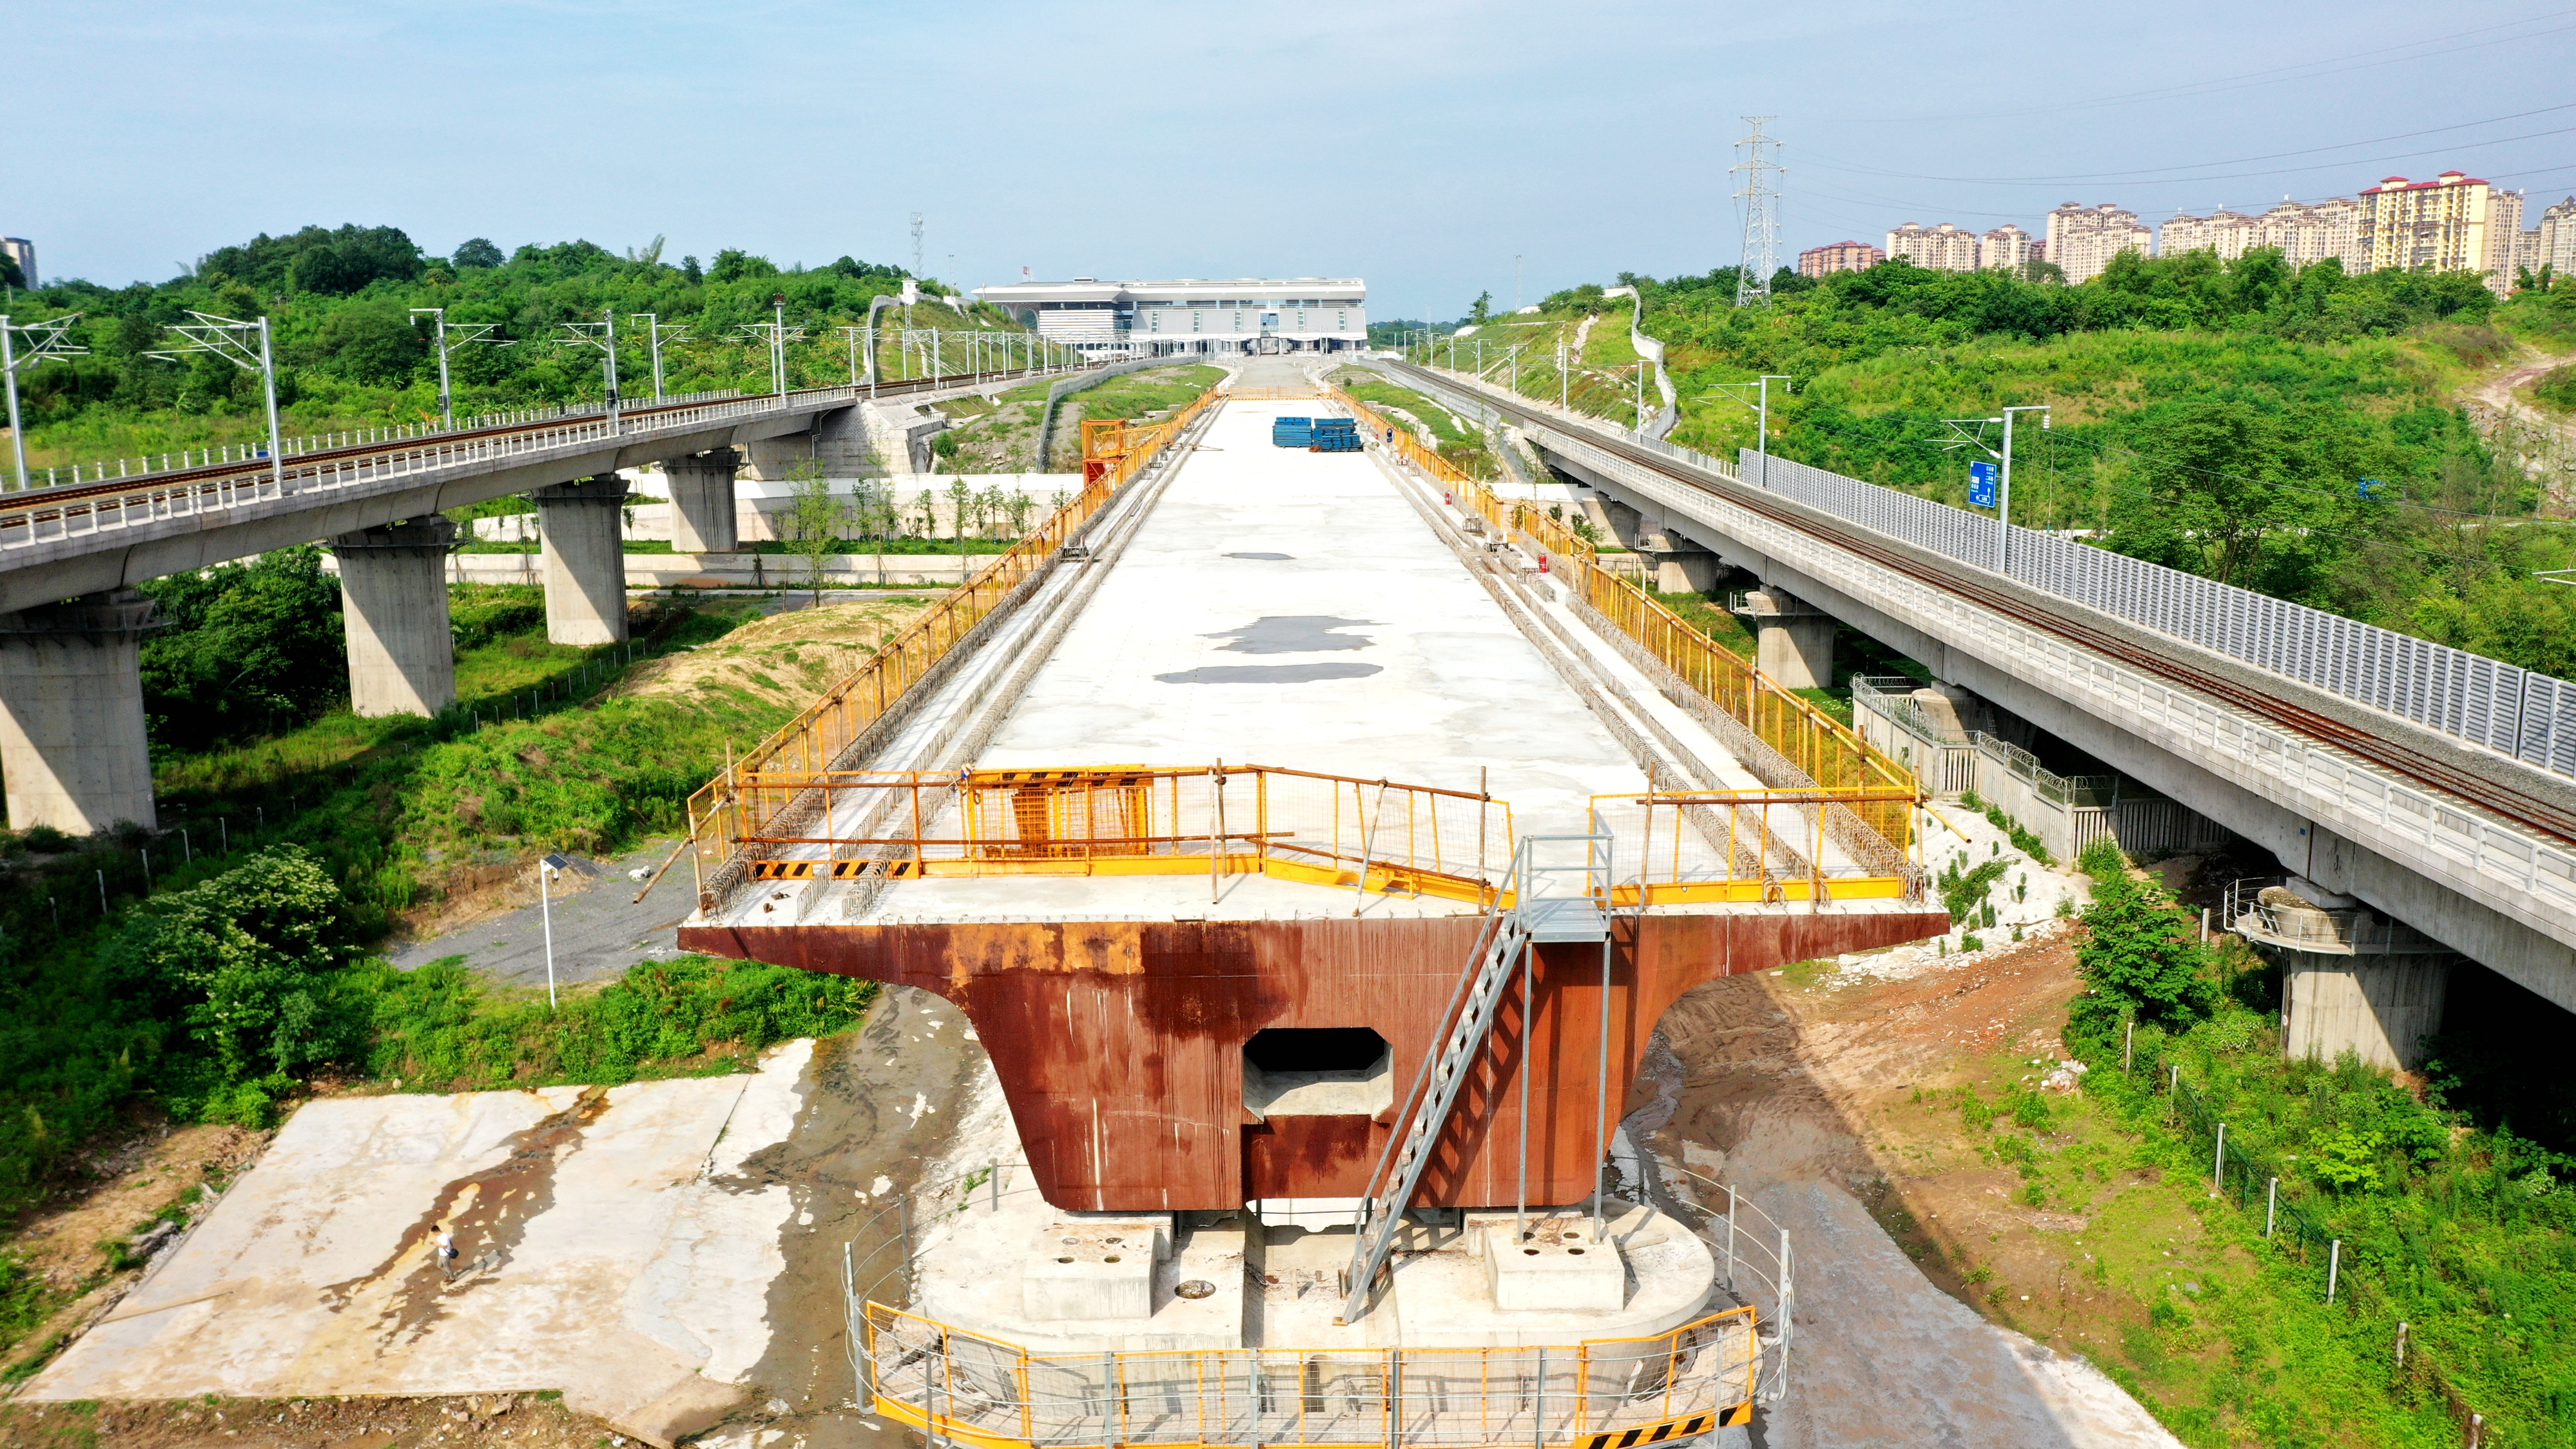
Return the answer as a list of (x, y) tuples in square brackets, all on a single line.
[(73, 741), (2426, 784)]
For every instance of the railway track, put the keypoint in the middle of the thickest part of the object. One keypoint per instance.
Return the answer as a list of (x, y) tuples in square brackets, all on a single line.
[(2492, 796), (42, 503)]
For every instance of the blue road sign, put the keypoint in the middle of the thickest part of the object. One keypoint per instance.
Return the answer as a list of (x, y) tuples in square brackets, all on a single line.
[(1981, 484), (2370, 487)]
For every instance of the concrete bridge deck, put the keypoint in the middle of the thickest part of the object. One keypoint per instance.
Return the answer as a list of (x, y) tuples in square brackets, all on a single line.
[(1322, 614)]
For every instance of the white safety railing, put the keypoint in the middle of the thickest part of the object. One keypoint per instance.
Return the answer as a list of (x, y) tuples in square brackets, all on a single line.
[(2513, 711), (32, 517)]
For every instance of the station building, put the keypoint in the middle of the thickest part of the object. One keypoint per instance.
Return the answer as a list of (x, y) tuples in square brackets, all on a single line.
[(1192, 314)]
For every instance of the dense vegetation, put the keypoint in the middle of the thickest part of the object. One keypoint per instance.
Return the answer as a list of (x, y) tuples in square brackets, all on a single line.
[(2290, 430), (213, 967), (2449, 1218), (350, 351)]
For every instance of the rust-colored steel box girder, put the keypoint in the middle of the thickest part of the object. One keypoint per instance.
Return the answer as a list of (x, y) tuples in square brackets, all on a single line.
[(1121, 1045)]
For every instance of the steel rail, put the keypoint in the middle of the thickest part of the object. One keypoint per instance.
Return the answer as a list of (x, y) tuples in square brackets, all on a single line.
[(37, 500), (2493, 796)]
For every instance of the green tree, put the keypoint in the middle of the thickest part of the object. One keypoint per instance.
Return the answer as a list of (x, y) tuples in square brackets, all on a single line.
[(371, 341), (2138, 956), (249, 646), (477, 252), (1483, 311), (245, 962), (814, 522)]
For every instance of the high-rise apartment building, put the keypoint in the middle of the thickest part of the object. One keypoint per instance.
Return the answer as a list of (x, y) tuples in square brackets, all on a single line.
[(2007, 248), (2231, 234), (2083, 239), (2454, 223), (23, 252), (2307, 233), (2558, 239), (1943, 248), (1841, 256)]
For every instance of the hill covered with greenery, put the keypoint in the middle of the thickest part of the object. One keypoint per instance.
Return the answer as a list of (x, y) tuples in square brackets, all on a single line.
[(2293, 430), (340, 301)]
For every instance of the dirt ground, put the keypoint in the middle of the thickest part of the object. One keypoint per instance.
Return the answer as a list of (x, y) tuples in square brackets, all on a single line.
[(92, 1239), (796, 653), (1934, 1307), (537, 1421)]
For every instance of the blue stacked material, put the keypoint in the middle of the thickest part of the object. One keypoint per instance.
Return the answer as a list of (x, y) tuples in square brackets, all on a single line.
[(1292, 432), (1336, 435)]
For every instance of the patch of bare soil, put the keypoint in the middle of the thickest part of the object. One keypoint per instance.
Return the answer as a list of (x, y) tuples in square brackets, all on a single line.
[(1810, 1095), (128, 1203), (792, 656), (535, 1421)]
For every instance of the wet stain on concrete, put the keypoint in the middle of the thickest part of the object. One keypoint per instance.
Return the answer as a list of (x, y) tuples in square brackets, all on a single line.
[(489, 1212), (1264, 557), (1269, 673), (1296, 634)]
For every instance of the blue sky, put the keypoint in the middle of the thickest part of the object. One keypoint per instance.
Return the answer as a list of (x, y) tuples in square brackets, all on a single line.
[(1421, 144)]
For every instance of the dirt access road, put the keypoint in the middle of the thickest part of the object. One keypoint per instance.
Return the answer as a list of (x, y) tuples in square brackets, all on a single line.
[(1780, 1087)]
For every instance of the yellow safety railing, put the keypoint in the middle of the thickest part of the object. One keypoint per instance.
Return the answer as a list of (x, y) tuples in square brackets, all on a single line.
[(1742, 846), (1272, 394), (1827, 751), (720, 814), (1212, 820), (1592, 1394)]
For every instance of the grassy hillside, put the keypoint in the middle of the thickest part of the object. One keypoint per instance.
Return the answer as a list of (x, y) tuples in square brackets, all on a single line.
[(2216, 417)]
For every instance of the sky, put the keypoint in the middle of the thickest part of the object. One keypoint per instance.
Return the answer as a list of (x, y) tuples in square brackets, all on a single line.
[(1436, 148)]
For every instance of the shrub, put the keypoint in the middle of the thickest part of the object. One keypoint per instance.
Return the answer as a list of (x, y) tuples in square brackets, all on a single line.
[(2102, 859), (2557, 387)]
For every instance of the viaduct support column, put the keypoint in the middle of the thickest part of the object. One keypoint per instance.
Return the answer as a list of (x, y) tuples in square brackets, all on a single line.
[(72, 739), (1793, 643), (702, 503), (583, 525), (2351, 979), (393, 598)]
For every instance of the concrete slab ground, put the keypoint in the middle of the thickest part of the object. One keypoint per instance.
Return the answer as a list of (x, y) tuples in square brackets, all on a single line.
[(615, 1244), (1282, 607)]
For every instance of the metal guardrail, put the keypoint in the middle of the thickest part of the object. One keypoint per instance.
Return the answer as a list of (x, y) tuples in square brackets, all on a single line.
[(977, 1390), (2527, 716), (39, 516), (2266, 913), (144, 469), (1135, 820)]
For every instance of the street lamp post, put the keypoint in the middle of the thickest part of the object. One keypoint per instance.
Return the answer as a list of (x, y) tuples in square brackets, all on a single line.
[(230, 340), (48, 339), (552, 865)]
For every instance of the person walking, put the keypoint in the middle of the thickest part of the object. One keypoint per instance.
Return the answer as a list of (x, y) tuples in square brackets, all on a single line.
[(446, 1241)]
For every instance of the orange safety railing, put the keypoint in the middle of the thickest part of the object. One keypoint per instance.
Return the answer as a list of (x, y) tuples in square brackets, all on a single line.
[(1829, 753), (1211, 820), (1758, 845), (1272, 394), (1592, 1394), (721, 814)]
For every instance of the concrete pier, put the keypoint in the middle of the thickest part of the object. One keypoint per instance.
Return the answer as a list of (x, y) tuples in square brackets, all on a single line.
[(72, 737), (584, 546), (702, 501), (2351, 979), (393, 594), (1793, 643)]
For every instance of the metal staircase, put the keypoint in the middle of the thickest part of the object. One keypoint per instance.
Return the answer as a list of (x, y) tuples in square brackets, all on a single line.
[(1535, 915)]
